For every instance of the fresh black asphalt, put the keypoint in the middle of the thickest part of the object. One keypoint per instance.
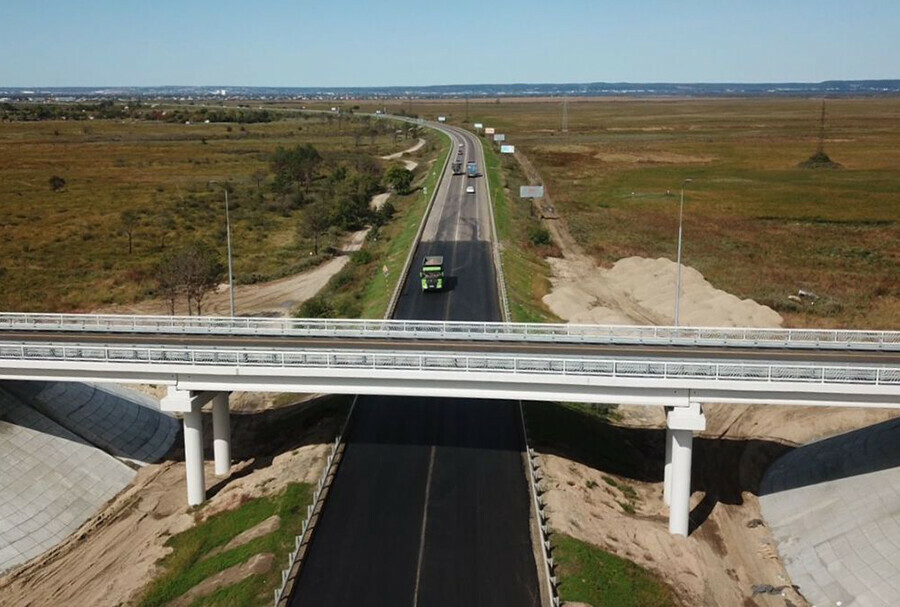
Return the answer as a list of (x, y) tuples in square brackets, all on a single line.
[(430, 504)]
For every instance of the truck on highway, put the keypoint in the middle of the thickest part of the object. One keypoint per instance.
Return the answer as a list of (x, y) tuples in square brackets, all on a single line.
[(432, 273), (472, 168), (457, 167)]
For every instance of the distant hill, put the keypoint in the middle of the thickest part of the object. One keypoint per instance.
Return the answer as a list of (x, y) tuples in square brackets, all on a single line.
[(592, 89)]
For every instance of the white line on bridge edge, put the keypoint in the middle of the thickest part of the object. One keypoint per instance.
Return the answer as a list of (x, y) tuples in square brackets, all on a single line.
[(424, 525)]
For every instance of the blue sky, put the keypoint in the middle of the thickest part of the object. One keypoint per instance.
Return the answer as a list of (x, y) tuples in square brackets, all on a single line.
[(397, 42)]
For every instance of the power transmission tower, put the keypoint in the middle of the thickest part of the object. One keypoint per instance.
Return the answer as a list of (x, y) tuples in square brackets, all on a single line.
[(820, 149), (565, 115)]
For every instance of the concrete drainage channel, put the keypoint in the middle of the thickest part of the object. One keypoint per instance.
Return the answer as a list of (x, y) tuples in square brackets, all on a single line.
[(302, 542), (550, 587)]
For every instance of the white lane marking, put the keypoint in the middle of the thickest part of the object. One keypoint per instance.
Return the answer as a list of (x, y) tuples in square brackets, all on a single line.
[(424, 525)]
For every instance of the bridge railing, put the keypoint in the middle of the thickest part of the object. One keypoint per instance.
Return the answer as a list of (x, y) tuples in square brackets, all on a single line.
[(420, 329), (144, 356)]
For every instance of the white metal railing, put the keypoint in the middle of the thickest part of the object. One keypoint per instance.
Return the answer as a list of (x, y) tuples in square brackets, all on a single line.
[(458, 331), (452, 362)]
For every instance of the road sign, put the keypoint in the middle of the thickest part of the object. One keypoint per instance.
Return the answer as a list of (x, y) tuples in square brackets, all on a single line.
[(489, 130), (442, 119), (479, 126), (507, 149), (531, 191), (385, 270), (499, 137)]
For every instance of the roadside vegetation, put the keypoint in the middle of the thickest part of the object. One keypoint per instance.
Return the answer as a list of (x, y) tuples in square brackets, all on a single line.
[(193, 559), (755, 224), (363, 288), (600, 579), (524, 242), (92, 207)]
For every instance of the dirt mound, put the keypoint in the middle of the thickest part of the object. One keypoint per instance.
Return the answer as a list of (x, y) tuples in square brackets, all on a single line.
[(638, 290)]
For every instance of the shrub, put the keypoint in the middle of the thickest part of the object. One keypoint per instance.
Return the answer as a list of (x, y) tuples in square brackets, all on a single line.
[(539, 236), (317, 307)]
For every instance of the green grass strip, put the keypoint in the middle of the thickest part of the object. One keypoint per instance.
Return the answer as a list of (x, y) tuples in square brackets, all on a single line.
[(185, 567), (596, 577)]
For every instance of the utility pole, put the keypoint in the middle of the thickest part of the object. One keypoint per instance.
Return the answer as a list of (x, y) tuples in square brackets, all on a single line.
[(224, 187)]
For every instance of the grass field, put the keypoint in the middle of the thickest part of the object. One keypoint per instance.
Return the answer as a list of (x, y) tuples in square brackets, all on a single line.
[(755, 224), (66, 250)]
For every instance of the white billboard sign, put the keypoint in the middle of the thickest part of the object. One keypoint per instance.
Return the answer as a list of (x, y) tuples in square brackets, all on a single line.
[(479, 126), (531, 191), (507, 149), (489, 130), (499, 137), (442, 119)]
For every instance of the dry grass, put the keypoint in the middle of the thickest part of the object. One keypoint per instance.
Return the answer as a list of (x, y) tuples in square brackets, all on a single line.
[(66, 250), (755, 224)]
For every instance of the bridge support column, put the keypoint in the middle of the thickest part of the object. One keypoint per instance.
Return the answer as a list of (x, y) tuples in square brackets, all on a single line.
[(667, 471), (221, 434), (193, 457), (189, 404), (681, 424)]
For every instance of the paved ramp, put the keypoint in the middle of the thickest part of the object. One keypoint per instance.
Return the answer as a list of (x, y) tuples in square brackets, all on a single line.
[(834, 507), (51, 481)]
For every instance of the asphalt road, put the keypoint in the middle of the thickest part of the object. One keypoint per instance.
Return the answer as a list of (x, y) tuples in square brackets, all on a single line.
[(430, 504)]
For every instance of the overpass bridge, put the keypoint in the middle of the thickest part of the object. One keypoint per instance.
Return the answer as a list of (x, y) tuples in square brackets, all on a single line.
[(203, 359)]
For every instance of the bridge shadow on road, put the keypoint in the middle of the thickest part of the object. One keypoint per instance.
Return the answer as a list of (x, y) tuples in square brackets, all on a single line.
[(722, 468)]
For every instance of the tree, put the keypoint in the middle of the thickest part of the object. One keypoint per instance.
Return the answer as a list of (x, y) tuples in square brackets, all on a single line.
[(315, 222), (169, 279), (399, 179), (130, 220), (202, 272), (193, 270), (296, 165), (57, 183), (259, 176)]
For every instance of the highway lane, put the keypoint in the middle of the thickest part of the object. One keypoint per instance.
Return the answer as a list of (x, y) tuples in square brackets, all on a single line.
[(574, 350), (430, 504)]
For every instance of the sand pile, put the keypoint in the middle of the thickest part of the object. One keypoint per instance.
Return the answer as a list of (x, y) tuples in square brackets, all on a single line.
[(637, 290)]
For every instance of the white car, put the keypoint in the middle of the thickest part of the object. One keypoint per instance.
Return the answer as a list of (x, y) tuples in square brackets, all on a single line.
[(470, 189)]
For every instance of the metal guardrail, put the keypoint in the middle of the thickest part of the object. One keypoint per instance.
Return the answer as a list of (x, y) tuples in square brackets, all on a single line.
[(536, 490), (452, 362), (313, 513), (450, 330)]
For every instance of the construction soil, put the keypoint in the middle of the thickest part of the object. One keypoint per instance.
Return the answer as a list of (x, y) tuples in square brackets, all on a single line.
[(730, 558), (113, 556)]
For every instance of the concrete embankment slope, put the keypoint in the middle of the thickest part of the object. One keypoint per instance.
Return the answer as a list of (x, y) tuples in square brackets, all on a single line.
[(124, 423), (834, 507), (62, 447)]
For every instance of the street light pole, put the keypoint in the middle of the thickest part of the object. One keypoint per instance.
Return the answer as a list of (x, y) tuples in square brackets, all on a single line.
[(228, 240), (678, 259)]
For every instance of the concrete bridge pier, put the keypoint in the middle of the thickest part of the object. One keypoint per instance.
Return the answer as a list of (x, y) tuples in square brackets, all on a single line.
[(681, 423), (189, 405), (221, 434)]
